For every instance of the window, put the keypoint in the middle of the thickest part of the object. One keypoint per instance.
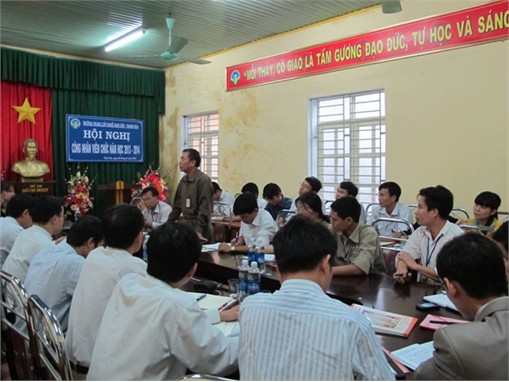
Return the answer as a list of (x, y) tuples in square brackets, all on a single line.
[(348, 142), (202, 133)]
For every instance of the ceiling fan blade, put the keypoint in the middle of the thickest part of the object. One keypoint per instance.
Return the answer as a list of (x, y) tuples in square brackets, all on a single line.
[(169, 55), (143, 55), (177, 44)]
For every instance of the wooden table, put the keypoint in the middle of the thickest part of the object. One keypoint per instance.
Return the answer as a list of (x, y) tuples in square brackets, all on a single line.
[(380, 292)]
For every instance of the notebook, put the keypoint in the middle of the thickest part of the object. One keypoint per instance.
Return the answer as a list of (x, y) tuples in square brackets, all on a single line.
[(442, 300), (387, 322), (412, 356)]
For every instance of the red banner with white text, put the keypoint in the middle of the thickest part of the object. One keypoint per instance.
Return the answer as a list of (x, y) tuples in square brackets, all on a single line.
[(481, 24), (26, 113)]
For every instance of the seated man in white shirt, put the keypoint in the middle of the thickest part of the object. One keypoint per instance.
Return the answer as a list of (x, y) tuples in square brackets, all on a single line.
[(300, 333), (151, 330), (16, 220), (390, 207), (156, 211), (253, 188), (222, 196), (256, 224), (309, 184), (54, 271), (434, 204), (123, 236), (48, 219)]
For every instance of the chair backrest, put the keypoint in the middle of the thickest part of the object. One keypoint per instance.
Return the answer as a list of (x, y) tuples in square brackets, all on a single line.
[(327, 204), (454, 212), (14, 328), (222, 209), (503, 216), (369, 208), (47, 341), (480, 228)]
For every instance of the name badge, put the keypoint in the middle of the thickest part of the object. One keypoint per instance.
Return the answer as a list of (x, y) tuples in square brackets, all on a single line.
[(188, 203)]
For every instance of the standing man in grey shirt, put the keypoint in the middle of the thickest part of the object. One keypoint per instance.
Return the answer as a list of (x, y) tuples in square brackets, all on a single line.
[(193, 198)]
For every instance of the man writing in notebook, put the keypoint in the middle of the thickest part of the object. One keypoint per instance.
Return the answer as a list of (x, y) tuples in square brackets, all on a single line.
[(472, 270), (256, 224), (434, 204), (298, 332)]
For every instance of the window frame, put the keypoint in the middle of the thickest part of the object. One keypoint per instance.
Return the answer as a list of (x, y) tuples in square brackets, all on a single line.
[(349, 121), (207, 137)]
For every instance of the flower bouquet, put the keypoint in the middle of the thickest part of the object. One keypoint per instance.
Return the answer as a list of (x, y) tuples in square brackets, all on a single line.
[(78, 193), (151, 178)]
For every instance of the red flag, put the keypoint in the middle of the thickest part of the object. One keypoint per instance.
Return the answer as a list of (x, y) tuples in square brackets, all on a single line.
[(25, 113)]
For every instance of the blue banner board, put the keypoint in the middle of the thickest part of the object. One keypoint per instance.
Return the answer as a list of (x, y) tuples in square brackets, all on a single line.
[(103, 139)]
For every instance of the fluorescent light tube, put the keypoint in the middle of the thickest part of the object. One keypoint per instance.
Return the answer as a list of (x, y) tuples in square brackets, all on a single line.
[(127, 38)]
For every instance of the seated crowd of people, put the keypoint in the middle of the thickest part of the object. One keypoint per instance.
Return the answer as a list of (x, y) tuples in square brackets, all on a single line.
[(129, 319)]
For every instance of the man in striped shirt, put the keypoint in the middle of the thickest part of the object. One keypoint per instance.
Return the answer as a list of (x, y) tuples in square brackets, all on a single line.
[(299, 333)]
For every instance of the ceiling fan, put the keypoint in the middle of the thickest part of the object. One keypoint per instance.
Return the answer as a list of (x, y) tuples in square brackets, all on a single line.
[(175, 45)]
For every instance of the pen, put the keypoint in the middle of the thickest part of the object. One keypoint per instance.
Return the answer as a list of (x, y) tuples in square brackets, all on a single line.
[(442, 322), (199, 298), (228, 304)]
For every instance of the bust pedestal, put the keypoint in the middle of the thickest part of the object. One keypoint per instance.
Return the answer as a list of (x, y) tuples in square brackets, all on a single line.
[(35, 188)]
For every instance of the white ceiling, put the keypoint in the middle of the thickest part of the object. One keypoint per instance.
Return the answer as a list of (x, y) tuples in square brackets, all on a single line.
[(83, 27)]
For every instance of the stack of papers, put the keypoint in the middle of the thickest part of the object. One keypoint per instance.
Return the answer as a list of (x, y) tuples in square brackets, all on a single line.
[(442, 300), (210, 247), (412, 356)]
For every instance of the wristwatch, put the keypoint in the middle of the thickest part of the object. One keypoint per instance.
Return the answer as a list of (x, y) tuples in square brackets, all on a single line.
[(232, 248)]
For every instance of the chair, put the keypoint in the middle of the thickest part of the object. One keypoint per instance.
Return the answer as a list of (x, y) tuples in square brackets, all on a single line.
[(47, 342), (480, 228), (283, 216), (390, 239), (503, 216), (390, 245), (221, 209), (455, 210), (14, 328), (327, 204), (369, 207)]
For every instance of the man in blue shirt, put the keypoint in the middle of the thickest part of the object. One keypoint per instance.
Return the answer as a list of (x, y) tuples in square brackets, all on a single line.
[(54, 271), (298, 332), (276, 201)]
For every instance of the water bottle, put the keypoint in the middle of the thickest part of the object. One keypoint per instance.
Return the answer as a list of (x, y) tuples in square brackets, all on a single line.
[(251, 250), (260, 256), (254, 279), (77, 215), (145, 253), (243, 276)]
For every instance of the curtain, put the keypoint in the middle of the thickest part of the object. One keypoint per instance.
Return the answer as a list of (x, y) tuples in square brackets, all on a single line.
[(14, 133), (93, 89), (62, 73)]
